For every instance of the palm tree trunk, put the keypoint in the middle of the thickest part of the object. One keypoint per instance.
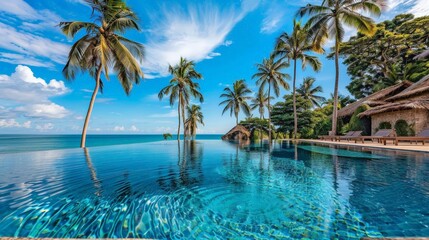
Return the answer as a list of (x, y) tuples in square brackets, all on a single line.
[(295, 115), (178, 114), (183, 120), (337, 79), (269, 113), (91, 106), (260, 128), (236, 119)]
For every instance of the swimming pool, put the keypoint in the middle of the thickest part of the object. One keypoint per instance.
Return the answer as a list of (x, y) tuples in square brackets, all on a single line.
[(204, 189)]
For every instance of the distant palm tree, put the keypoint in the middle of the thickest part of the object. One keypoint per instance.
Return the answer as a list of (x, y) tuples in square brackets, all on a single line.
[(102, 47), (181, 88), (195, 116), (327, 20), (269, 73), (166, 136), (308, 91), (342, 101), (295, 47), (236, 99), (260, 102)]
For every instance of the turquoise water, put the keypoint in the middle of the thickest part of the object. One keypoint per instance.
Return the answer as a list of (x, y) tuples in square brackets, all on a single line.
[(213, 189), (13, 143)]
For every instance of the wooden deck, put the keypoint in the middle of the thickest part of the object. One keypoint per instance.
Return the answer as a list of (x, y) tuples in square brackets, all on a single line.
[(403, 146)]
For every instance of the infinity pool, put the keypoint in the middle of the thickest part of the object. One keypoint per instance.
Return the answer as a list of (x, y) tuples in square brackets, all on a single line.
[(214, 189)]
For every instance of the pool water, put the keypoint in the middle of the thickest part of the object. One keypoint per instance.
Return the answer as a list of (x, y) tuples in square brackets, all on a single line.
[(214, 189)]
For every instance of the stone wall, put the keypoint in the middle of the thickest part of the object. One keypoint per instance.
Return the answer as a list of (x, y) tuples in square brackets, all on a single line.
[(419, 117)]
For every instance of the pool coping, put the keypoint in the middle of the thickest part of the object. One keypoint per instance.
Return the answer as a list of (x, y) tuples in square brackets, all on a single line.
[(410, 148)]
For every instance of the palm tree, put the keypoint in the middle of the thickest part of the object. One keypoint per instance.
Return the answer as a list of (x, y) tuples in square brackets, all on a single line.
[(295, 47), (236, 99), (327, 21), (308, 91), (260, 102), (181, 88), (195, 116), (102, 47), (269, 73), (166, 136)]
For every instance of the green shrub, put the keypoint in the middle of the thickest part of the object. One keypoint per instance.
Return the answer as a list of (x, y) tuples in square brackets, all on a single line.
[(384, 125), (402, 128), (356, 123)]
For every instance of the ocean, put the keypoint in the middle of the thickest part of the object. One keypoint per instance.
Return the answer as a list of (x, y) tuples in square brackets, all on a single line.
[(14, 143)]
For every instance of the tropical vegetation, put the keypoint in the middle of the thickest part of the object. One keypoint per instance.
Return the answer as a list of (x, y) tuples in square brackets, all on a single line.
[(294, 47), (327, 21), (388, 57), (195, 117), (103, 48), (270, 73), (236, 99), (181, 88)]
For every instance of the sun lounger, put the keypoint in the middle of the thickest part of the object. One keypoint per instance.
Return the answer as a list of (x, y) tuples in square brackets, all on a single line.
[(379, 136), (334, 137), (422, 137), (355, 134)]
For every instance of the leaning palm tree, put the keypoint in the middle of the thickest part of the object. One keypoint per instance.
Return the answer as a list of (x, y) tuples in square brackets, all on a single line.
[(236, 99), (269, 73), (309, 92), (327, 21), (195, 116), (296, 46), (181, 88), (103, 47)]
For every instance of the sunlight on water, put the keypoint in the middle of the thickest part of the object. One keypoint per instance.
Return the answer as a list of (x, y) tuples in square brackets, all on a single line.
[(213, 189)]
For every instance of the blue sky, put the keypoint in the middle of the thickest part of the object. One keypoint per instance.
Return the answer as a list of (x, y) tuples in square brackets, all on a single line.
[(226, 38)]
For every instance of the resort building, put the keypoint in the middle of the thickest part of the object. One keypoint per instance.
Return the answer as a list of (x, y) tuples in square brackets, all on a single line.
[(402, 103)]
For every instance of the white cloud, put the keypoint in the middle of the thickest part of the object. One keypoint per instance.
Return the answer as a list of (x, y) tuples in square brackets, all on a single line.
[(12, 123), (119, 128), (274, 17), (50, 110), (170, 114), (417, 7), (31, 94), (227, 43), (45, 127), (41, 51), (133, 128), (193, 32), (104, 100), (22, 86), (212, 55), (19, 8)]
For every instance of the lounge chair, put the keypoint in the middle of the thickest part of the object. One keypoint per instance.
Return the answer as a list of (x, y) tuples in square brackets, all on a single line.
[(355, 134), (423, 137), (334, 137), (379, 136)]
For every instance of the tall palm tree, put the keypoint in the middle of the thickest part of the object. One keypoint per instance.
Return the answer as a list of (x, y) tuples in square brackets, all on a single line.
[(327, 21), (181, 88), (308, 91), (236, 99), (102, 47), (260, 102), (269, 73), (296, 46), (195, 116)]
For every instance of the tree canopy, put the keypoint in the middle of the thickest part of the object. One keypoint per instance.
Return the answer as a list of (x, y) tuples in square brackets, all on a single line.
[(387, 58)]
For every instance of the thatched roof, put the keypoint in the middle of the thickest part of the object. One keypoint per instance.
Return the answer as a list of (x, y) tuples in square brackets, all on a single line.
[(422, 86), (237, 132), (374, 99), (397, 106)]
